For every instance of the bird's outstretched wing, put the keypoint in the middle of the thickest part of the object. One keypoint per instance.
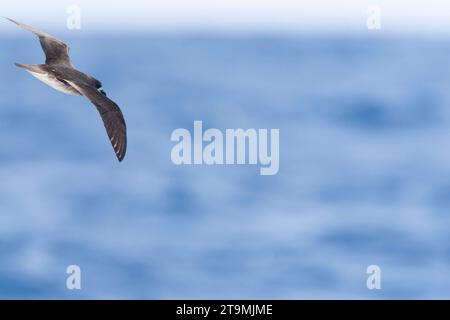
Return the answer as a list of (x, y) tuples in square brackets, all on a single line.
[(56, 51), (111, 115)]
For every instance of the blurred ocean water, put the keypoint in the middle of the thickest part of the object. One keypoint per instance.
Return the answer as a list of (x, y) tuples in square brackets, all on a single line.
[(364, 170)]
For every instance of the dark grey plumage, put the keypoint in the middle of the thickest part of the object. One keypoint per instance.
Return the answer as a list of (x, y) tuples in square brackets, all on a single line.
[(59, 73)]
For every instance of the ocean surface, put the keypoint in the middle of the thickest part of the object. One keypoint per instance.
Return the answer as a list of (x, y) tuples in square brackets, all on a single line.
[(364, 173)]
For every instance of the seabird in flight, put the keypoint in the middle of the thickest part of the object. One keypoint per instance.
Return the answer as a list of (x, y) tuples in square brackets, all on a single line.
[(59, 73)]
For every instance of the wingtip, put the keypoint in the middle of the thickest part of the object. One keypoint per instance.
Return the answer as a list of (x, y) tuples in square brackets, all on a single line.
[(120, 155), (13, 21)]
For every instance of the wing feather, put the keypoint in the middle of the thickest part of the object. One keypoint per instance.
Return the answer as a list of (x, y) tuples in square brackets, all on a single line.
[(56, 51), (111, 114)]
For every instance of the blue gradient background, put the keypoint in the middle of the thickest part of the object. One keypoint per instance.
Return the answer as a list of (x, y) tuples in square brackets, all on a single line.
[(364, 170)]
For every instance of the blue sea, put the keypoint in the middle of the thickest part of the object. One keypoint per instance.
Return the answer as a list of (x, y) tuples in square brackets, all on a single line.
[(364, 173)]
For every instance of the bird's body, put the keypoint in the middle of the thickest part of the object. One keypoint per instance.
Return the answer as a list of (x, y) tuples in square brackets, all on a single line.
[(59, 73), (50, 77)]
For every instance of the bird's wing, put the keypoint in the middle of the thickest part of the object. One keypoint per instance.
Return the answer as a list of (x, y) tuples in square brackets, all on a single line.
[(111, 115), (56, 51)]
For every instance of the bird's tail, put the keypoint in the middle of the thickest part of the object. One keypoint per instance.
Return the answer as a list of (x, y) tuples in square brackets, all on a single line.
[(35, 68), (20, 65)]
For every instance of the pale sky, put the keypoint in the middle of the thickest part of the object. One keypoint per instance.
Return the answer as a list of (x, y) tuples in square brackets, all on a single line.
[(291, 16)]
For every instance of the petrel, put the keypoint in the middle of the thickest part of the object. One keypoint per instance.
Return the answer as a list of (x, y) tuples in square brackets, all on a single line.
[(59, 73)]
